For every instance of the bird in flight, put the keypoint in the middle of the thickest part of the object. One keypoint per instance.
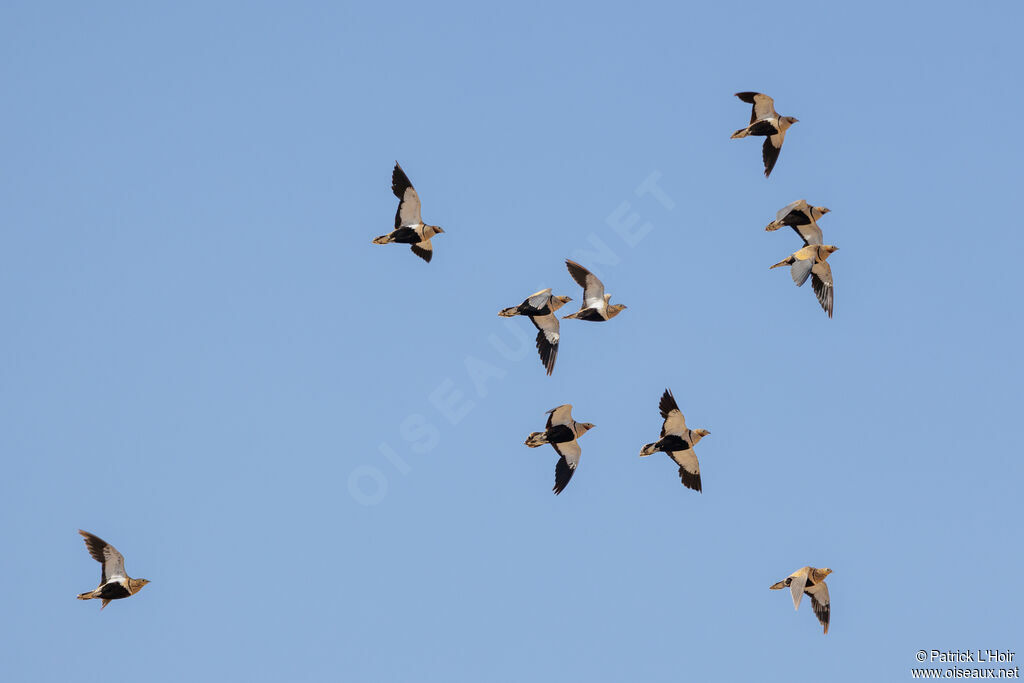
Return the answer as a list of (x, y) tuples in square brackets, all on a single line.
[(540, 308), (810, 261), (114, 583), (595, 306), (562, 433), (764, 120), (812, 582), (798, 215), (677, 441), (409, 226)]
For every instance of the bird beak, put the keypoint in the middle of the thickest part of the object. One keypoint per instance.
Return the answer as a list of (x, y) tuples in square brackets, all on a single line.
[(439, 231)]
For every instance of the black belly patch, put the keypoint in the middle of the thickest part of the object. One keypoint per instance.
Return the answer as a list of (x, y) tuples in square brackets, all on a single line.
[(590, 314), (673, 443), (405, 236), (113, 591), (559, 434)]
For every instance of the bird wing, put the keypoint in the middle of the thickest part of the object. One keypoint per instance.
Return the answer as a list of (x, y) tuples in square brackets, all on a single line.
[(424, 249), (764, 106), (674, 423), (562, 415), (593, 289), (547, 339), (821, 282), (536, 302), (820, 603), (796, 585), (770, 151), (106, 555), (689, 468), (409, 202), (810, 233), (566, 465), (798, 205)]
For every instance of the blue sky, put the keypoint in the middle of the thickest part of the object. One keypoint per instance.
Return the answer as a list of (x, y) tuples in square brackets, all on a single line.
[(207, 363)]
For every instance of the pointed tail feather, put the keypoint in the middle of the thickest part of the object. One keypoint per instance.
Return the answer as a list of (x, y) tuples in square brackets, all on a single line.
[(383, 239), (536, 439), (509, 312), (649, 449), (741, 133), (85, 596), (774, 225), (777, 586), (783, 262)]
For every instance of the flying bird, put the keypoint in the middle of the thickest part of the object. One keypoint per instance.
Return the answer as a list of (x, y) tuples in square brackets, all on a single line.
[(764, 120), (811, 261), (562, 433), (595, 306), (540, 308), (803, 218), (812, 582), (409, 226), (114, 583), (677, 442)]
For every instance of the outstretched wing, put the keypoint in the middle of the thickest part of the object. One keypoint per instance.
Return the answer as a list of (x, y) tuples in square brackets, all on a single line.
[(820, 603), (798, 580), (821, 281), (689, 468), (593, 289), (537, 303), (770, 151), (566, 465), (764, 106), (674, 421), (809, 232), (799, 207), (408, 213), (425, 250), (547, 339), (106, 555), (562, 415)]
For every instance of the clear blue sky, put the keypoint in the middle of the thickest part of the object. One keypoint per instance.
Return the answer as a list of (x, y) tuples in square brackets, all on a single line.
[(204, 356)]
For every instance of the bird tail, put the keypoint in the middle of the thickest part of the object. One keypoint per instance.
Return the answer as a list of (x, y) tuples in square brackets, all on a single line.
[(572, 316), (85, 596), (649, 449), (741, 133), (509, 312), (777, 586), (383, 239), (783, 262), (774, 225), (536, 439)]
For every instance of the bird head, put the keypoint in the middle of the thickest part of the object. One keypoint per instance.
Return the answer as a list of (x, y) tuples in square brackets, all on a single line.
[(823, 209), (433, 230), (585, 427), (563, 300), (615, 309), (826, 571), (829, 248), (137, 584), (790, 120), (703, 432)]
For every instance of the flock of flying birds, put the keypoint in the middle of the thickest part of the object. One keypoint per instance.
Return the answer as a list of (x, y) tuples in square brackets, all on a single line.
[(561, 431)]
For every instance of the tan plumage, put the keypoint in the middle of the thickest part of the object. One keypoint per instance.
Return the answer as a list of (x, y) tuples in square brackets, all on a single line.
[(409, 226), (811, 262), (765, 121), (114, 582), (540, 308), (811, 581), (562, 432), (595, 306), (677, 442)]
